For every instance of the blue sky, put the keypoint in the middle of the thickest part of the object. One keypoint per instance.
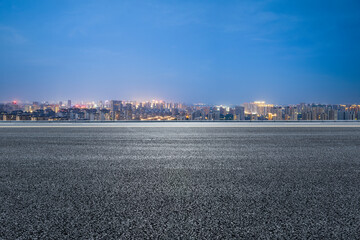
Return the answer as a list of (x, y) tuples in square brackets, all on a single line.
[(192, 51)]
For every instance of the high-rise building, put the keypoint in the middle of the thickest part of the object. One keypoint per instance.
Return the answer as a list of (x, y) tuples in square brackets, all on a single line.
[(258, 107), (240, 113), (333, 114), (196, 115), (128, 111), (115, 109), (115, 105), (341, 115), (217, 115), (349, 115)]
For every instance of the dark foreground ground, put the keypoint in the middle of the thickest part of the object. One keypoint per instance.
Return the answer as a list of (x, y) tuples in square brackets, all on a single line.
[(179, 183)]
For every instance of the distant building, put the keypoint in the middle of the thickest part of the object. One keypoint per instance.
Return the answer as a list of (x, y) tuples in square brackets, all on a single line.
[(115, 109), (306, 116), (341, 115), (333, 114), (217, 115), (277, 114), (115, 105), (160, 110), (349, 115), (240, 113), (258, 107)]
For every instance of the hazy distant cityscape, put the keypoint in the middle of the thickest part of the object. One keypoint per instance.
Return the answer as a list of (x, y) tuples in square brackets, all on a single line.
[(117, 110)]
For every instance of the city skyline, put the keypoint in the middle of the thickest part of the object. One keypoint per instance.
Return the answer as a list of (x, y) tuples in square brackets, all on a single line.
[(216, 52), (118, 110)]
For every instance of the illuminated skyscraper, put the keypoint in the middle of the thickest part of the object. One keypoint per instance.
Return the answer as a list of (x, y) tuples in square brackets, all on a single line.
[(258, 107), (115, 105), (115, 109)]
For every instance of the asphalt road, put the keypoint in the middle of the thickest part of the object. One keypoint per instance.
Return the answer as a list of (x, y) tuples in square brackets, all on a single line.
[(179, 183)]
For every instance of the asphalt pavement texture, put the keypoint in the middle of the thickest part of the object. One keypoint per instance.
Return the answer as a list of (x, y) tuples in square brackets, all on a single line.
[(179, 183)]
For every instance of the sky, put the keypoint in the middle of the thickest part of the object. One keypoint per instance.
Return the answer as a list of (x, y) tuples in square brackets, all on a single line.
[(218, 52)]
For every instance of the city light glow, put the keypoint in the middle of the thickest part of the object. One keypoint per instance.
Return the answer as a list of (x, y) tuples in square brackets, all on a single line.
[(159, 110)]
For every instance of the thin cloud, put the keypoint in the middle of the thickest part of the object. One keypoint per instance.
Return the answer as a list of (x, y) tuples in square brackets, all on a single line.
[(11, 35)]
